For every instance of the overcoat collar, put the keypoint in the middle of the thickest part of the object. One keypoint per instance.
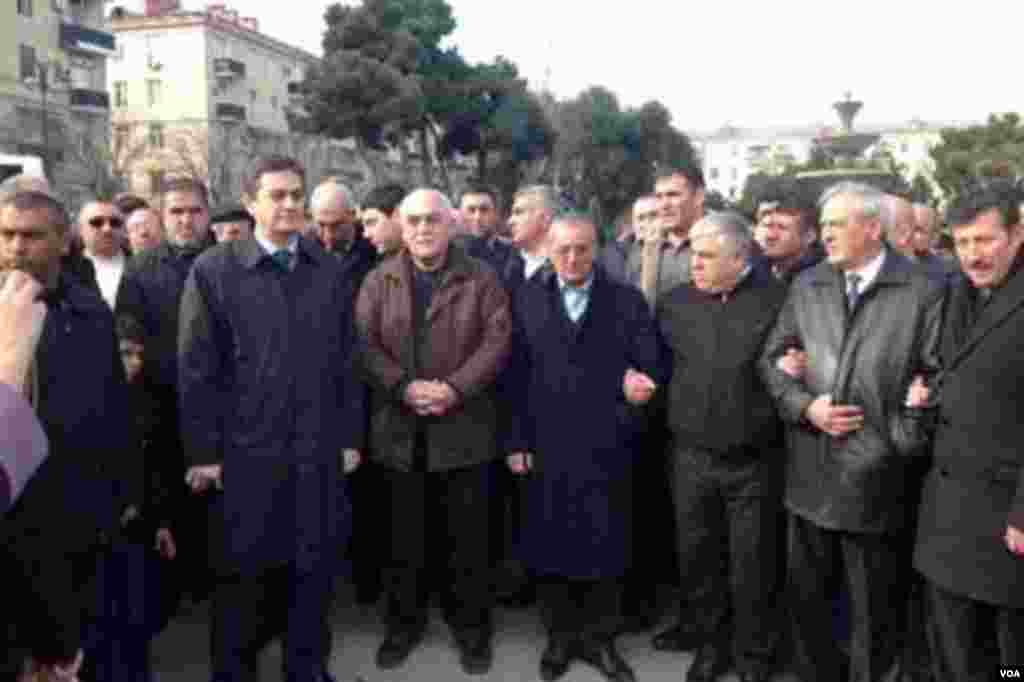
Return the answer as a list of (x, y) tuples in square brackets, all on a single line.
[(1005, 301)]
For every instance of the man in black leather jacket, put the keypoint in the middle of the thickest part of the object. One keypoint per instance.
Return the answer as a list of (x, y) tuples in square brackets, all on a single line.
[(869, 322)]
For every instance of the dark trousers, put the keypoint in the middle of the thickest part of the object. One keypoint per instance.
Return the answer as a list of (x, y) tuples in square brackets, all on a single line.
[(580, 610), (368, 547), (957, 653), (249, 610), (654, 561), (727, 519), (451, 507), (874, 569)]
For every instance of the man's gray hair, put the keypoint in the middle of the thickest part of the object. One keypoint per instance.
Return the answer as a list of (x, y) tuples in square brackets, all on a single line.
[(731, 228), (547, 195), (871, 199), (332, 186), (574, 217), (446, 203), (891, 206)]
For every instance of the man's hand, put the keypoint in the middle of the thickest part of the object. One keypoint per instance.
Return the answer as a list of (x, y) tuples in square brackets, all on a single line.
[(917, 394), (445, 398), (165, 544), (835, 420), (637, 387), (420, 396), (202, 478), (793, 363), (520, 462), (131, 513), (63, 673), (21, 324), (351, 459), (1015, 540)]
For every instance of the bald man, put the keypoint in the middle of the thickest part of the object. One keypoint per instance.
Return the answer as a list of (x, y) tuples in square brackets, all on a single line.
[(334, 217), (435, 330), (902, 232)]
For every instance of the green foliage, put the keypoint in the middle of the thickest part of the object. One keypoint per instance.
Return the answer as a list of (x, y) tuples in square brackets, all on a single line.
[(995, 149), (610, 154), (921, 191)]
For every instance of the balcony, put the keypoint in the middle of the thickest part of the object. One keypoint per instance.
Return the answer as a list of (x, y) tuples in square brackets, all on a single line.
[(83, 98), (228, 69), (85, 39), (232, 112)]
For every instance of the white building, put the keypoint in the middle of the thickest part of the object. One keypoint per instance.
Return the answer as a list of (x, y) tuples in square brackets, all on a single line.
[(731, 154)]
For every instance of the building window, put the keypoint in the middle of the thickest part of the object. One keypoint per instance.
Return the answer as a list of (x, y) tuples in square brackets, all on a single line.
[(286, 71), (273, 102), (122, 135), (735, 173), (27, 62), (714, 173), (252, 97), (904, 147), (120, 93), (156, 181), (25, 8), (154, 92), (156, 135)]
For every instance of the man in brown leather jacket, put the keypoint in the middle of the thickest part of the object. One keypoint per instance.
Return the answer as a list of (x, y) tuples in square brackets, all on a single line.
[(435, 329)]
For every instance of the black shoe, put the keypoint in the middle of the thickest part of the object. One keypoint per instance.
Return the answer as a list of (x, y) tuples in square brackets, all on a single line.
[(475, 654), (607, 660), (396, 647), (555, 660), (677, 638), (710, 664)]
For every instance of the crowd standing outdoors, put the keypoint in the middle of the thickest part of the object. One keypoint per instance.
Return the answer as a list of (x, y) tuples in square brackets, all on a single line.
[(807, 425)]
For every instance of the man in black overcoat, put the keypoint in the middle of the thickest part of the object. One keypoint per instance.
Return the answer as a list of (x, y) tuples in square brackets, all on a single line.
[(726, 473), (587, 360), (869, 321), (272, 414), (970, 536)]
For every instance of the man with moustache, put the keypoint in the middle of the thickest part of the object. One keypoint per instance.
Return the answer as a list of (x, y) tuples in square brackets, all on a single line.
[(869, 321), (434, 325), (970, 534), (587, 359), (59, 531), (272, 417), (101, 227)]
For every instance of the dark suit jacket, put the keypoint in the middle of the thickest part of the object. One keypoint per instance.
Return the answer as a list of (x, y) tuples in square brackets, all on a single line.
[(976, 485)]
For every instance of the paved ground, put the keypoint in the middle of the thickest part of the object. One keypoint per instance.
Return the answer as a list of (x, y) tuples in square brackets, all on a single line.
[(181, 653)]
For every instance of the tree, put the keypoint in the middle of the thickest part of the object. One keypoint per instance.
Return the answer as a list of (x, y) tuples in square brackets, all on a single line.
[(921, 191), (993, 149)]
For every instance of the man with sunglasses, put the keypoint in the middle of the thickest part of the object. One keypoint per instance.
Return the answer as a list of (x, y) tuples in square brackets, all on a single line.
[(101, 227)]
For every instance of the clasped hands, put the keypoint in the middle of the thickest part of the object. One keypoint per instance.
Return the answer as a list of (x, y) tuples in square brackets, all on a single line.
[(637, 387), (430, 397)]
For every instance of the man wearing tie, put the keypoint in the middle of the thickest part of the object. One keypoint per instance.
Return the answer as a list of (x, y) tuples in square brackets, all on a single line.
[(869, 321)]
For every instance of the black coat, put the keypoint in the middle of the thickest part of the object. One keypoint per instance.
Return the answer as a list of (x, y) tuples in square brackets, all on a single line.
[(269, 392), (716, 398), (976, 485), (493, 251), (575, 420), (72, 505), (864, 482)]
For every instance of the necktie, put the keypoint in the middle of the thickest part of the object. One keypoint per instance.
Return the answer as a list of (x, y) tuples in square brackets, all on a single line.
[(649, 266), (853, 289), (283, 259)]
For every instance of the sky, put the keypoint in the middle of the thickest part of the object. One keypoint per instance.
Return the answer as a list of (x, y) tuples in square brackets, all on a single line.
[(744, 62)]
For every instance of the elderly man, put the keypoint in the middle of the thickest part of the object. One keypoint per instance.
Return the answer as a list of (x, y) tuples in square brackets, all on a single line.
[(587, 360), (664, 261), (272, 415), (902, 234), (435, 328), (334, 218), (101, 226), (970, 535), (787, 231), (59, 530), (144, 229), (725, 433), (869, 321)]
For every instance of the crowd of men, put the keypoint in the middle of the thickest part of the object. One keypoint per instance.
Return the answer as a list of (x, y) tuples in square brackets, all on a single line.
[(808, 414)]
